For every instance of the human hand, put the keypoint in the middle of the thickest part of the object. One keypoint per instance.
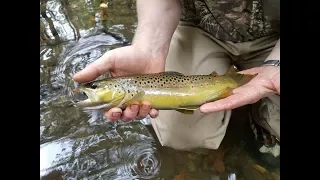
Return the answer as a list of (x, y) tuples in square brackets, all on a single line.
[(267, 82), (124, 61)]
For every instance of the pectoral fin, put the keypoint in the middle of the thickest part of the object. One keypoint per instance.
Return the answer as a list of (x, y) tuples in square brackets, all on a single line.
[(184, 111), (117, 98), (188, 109), (133, 96), (192, 108)]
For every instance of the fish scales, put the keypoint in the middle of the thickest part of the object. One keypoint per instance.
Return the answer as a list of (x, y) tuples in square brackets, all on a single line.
[(167, 90), (164, 91)]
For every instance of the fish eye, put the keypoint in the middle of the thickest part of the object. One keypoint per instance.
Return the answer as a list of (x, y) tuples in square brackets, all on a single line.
[(93, 85)]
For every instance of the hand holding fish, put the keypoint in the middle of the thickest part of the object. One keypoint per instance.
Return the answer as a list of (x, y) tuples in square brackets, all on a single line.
[(119, 62), (265, 83), (138, 92)]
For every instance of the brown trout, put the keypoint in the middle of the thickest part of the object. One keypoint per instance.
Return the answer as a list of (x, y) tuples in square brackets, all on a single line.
[(165, 91)]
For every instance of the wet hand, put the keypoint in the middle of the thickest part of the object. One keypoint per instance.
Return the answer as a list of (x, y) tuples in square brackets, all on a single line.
[(134, 111), (119, 62), (267, 82)]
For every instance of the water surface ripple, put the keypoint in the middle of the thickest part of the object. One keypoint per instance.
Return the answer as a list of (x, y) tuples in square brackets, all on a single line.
[(77, 144)]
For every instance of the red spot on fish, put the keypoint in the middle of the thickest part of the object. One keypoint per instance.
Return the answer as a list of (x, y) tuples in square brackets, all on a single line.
[(207, 84), (192, 86), (180, 86), (201, 85)]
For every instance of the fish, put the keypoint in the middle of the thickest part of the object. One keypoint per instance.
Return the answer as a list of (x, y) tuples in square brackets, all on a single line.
[(168, 90)]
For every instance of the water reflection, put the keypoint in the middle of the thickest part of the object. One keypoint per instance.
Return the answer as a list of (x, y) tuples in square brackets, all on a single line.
[(65, 20), (50, 154), (83, 144), (79, 54), (77, 144), (107, 153)]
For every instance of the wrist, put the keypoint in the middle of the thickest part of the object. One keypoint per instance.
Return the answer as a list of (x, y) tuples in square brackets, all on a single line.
[(154, 44), (271, 62), (275, 53), (154, 52), (276, 82), (273, 73)]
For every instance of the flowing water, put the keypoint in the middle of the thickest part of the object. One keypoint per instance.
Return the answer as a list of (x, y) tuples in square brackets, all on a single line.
[(77, 144)]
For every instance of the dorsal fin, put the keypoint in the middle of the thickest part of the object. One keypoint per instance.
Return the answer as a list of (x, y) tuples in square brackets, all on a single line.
[(172, 73), (214, 74)]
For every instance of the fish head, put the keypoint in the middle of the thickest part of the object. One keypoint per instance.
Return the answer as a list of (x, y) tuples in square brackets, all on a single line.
[(101, 94)]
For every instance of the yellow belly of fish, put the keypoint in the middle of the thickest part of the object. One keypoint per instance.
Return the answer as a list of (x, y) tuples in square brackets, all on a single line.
[(180, 98), (170, 101)]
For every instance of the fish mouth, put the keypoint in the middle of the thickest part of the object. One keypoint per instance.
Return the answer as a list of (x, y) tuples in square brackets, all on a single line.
[(90, 100)]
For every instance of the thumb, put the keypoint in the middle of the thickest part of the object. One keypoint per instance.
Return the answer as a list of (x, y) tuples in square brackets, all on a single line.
[(97, 68)]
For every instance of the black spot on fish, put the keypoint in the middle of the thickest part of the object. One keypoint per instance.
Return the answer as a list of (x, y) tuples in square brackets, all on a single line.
[(128, 91)]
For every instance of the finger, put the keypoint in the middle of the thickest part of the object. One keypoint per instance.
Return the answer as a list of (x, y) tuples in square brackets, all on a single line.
[(153, 113), (144, 109), (113, 114), (231, 102), (100, 66), (130, 112), (93, 70)]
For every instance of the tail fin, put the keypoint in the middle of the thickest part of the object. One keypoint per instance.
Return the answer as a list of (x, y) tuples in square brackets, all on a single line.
[(240, 78)]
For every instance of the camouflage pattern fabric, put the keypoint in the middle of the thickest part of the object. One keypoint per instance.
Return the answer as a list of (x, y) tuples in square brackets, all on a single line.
[(233, 20)]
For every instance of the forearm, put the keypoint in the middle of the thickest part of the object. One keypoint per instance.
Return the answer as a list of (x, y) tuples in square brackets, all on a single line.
[(275, 53), (157, 21)]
